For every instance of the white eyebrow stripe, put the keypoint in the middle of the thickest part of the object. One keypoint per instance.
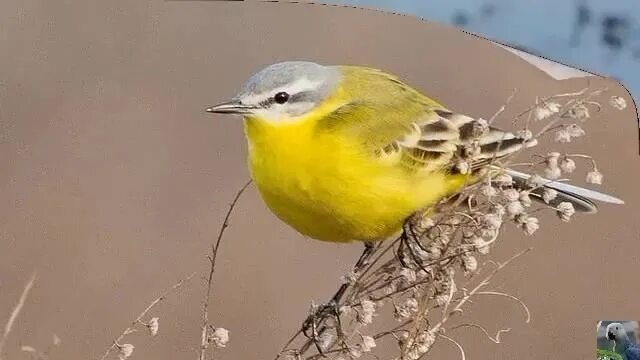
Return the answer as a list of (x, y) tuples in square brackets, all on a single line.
[(300, 106), (300, 85), (277, 115)]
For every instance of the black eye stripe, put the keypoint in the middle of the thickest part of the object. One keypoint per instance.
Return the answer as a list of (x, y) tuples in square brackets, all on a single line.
[(266, 103), (297, 97), (301, 96)]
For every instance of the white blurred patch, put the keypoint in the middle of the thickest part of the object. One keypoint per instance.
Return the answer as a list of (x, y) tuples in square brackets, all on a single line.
[(282, 113), (555, 70)]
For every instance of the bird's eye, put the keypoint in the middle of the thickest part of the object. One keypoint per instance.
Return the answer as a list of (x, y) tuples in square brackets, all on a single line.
[(281, 97)]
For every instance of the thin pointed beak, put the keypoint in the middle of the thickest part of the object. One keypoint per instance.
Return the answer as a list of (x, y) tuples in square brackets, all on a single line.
[(231, 107)]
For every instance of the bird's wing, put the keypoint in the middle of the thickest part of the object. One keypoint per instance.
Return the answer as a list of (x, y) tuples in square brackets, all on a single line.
[(442, 139), (402, 125)]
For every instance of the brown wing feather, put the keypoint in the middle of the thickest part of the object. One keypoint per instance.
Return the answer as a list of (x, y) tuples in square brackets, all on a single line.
[(443, 138)]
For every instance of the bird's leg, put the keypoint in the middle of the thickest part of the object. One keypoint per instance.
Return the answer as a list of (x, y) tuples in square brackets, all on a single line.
[(364, 258), (405, 242), (409, 229), (408, 238), (400, 252)]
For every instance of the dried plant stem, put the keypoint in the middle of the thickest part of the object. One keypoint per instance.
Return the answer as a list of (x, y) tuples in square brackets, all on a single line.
[(365, 273), (503, 107), (144, 312), (462, 355), (362, 263), (215, 247), (495, 339), (418, 281), (476, 291), (545, 99), (569, 105), (16, 311), (285, 347), (524, 306)]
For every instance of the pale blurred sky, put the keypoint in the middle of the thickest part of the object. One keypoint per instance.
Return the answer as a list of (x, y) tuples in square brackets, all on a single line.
[(603, 38)]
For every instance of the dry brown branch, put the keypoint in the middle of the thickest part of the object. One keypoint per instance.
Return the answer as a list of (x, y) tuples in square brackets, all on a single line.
[(138, 320), (483, 283), (495, 339), (503, 107), (415, 277), (462, 354), (215, 247)]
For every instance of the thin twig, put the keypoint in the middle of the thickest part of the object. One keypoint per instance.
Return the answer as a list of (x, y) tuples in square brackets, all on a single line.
[(363, 262), (144, 312), (495, 339), (204, 343), (456, 343), (560, 116), (503, 107), (16, 311), (475, 290), (524, 306), (545, 99), (289, 342)]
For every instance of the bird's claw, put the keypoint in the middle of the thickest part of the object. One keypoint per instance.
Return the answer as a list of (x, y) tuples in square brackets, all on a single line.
[(409, 240)]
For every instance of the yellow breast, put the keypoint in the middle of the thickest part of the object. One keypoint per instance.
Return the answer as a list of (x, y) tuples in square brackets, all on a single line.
[(325, 186)]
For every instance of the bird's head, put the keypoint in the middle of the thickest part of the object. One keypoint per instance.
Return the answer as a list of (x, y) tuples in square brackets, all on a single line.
[(284, 91), (615, 331)]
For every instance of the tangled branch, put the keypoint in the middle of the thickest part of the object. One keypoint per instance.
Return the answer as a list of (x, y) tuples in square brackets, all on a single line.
[(414, 278)]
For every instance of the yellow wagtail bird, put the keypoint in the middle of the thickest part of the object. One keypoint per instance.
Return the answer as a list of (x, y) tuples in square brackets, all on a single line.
[(346, 153)]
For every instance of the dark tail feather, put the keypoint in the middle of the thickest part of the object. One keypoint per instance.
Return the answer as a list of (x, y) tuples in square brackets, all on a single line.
[(581, 198)]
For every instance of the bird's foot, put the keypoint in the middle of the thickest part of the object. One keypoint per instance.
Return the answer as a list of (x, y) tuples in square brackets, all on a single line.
[(410, 247)]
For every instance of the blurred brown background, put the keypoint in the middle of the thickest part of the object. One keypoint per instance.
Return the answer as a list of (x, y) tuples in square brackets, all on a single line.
[(114, 180)]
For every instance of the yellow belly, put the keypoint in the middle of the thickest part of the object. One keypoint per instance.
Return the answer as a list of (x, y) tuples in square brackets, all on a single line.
[(327, 188)]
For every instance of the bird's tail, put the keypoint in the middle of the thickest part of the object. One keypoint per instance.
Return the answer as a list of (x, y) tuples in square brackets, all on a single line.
[(583, 200)]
